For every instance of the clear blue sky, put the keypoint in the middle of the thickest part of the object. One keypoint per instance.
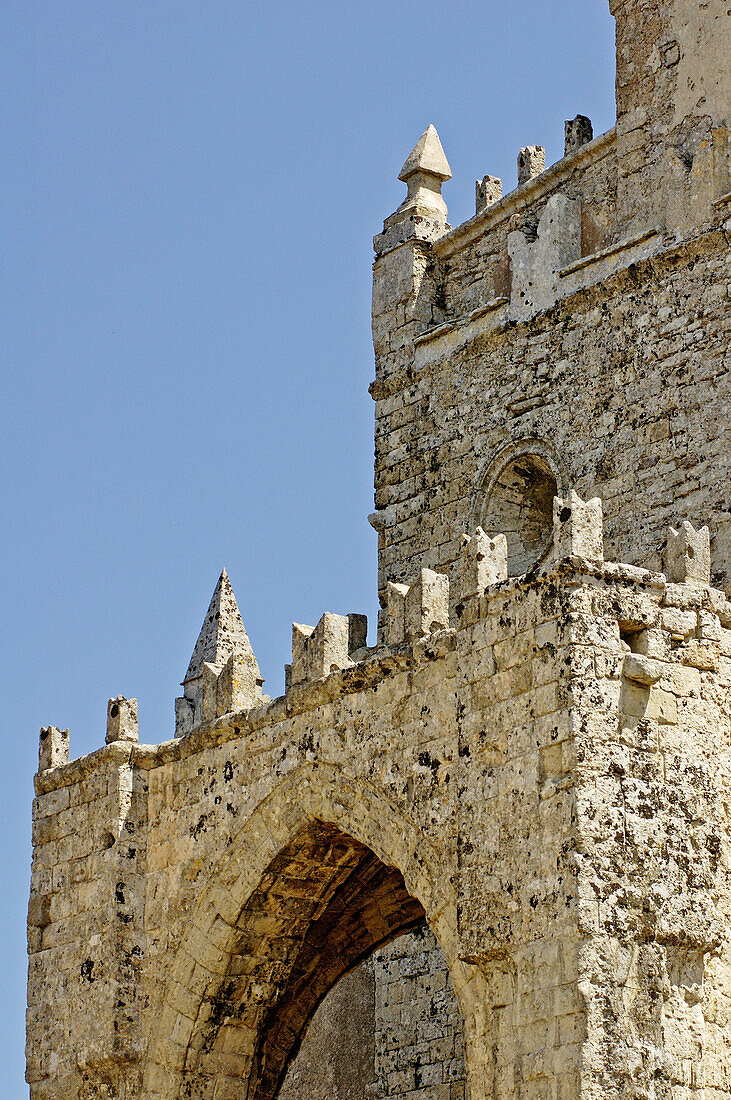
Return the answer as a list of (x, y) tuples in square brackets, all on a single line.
[(189, 196)]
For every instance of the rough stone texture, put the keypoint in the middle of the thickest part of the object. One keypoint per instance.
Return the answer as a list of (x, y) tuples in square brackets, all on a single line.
[(419, 1052), (534, 759), (488, 191), (223, 673), (531, 162), (122, 722), (577, 132)]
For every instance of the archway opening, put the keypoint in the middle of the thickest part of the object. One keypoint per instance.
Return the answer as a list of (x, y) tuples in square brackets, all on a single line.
[(323, 906), (389, 1028), (517, 502)]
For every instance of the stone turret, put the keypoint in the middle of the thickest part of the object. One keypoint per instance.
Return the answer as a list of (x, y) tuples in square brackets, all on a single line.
[(223, 674), (673, 100), (403, 290)]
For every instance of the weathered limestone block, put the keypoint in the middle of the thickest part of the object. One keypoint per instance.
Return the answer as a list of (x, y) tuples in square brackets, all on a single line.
[(238, 686), (299, 668), (536, 264), (577, 132), (531, 162), (184, 715), (427, 604), (396, 612), (53, 748), (578, 528), (122, 721), (484, 561), (687, 556), (318, 651), (418, 609), (488, 191)]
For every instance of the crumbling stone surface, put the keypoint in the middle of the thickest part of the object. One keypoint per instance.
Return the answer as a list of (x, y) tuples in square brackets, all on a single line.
[(488, 191), (533, 759), (577, 132), (531, 162), (550, 802), (390, 1029)]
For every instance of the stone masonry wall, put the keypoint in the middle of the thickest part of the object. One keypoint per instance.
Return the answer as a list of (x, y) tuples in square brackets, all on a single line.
[(583, 318), (544, 782), (419, 1049), (627, 382), (533, 762)]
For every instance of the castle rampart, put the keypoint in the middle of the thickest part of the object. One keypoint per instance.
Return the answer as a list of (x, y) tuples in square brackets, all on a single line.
[(569, 732)]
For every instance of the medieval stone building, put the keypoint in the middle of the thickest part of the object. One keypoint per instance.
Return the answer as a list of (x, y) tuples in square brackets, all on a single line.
[(506, 826)]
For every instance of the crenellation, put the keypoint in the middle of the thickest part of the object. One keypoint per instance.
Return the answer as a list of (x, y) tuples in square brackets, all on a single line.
[(578, 527), (53, 748), (122, 721), (577, 132), (488, 191), (687, 555), (531, 162), (332, 644), (484, 561)]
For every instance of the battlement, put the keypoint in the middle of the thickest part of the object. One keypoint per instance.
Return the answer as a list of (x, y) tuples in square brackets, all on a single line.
[(533, 756), (333, 658), (531, 726)]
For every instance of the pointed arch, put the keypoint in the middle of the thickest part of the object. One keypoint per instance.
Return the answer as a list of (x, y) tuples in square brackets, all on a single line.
[(315, 816)]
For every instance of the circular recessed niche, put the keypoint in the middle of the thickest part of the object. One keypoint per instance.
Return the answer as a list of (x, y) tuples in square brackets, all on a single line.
[(517, 501)]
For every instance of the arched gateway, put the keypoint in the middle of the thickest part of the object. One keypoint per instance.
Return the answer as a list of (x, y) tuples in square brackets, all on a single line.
[(296, 902), (537, 766)]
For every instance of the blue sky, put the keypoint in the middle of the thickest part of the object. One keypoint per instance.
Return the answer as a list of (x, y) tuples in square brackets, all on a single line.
[(189, 196)]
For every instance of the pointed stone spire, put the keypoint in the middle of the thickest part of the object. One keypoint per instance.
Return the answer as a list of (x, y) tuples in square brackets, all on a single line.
[(422, 216), (222, 633), (427, 156), (223, 674), (425, 170)]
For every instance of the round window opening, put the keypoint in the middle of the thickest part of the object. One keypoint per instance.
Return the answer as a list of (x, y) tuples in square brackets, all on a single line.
[(519, 504)]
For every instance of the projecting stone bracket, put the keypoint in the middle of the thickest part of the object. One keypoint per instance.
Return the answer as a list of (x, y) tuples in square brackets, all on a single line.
[(642, 670)]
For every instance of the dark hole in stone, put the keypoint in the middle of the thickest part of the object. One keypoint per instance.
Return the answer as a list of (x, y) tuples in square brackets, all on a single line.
[(114, 710)]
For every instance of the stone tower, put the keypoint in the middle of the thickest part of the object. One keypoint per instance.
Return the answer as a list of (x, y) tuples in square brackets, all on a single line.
[(529, 771)]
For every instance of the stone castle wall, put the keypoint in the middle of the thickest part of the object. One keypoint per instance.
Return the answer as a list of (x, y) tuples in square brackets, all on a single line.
[(626, 385), (543, 782)]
